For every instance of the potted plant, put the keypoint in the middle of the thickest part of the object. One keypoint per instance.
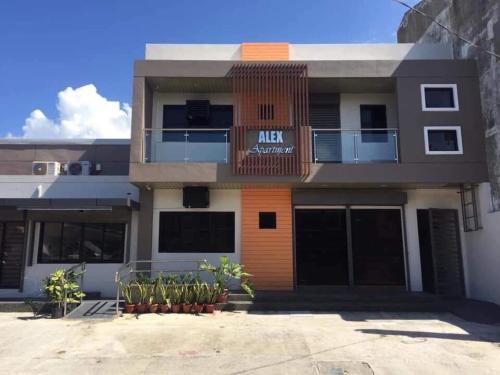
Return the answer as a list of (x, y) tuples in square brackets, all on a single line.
[(175, 297), (127, 296), (199, 295), (224, 273), (152, 300), (61, 288), (187, 298), (142, 291), (163, 295), (211, 299)]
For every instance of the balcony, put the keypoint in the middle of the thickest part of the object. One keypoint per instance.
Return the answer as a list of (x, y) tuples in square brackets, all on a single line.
[(186, 145), (355, 146), (329, 146)]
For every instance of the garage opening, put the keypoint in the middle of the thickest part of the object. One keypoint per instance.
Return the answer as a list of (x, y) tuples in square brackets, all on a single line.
[(349, 247)]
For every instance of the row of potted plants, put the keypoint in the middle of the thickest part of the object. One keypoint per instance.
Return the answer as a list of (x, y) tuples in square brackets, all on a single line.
[(164, 296), (186, 293)]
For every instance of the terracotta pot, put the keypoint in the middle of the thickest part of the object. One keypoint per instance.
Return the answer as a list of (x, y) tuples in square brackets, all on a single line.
[(186, 308), (210, 308), (140, 308), (176, 308), (129, 309), (153, 308), (198, 308), (164, 309)]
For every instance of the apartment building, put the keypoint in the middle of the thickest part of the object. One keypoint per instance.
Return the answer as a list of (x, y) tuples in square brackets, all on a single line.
[(337, 165), (347, 166)]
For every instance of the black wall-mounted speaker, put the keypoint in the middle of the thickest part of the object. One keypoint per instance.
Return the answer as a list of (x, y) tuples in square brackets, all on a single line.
[(195, 197)]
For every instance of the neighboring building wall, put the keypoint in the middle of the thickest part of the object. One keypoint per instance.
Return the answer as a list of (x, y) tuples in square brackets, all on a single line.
[(478, 21), (268, 253)]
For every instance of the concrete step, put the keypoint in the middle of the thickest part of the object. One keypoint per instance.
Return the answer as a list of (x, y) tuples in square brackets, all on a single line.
[(331, 307)]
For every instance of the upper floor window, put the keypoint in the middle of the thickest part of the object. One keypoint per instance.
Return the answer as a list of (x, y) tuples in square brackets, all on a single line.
[(443, 140), (180, 117), (78, 242), (439, 97), (373, 117)]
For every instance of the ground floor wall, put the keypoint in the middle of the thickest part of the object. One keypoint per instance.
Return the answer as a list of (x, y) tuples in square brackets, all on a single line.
[(483, 256)]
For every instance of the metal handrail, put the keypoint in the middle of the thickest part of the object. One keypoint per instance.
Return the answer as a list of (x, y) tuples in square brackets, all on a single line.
[(128, 267), (187, 129), (354, 130), (82, 267)]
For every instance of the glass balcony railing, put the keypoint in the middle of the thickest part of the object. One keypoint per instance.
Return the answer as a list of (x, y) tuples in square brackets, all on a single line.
[(186, 145), (355, 146)]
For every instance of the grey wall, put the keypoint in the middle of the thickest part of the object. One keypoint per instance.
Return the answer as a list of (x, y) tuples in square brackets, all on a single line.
[(17, 159), (479, 21), (412, 120)]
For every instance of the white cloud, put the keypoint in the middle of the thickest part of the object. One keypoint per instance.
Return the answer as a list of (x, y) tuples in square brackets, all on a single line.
[(83, 113)]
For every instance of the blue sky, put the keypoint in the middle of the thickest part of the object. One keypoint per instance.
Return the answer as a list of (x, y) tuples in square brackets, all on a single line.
[(47, 46)]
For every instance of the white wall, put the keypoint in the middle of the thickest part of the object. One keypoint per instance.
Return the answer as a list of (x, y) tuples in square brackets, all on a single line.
[(350, 116), (220, 200), (483, 257), (424, 199)]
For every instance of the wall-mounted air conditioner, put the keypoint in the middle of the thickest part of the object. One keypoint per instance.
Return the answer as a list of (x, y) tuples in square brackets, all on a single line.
[(78, 168), (46, 168)]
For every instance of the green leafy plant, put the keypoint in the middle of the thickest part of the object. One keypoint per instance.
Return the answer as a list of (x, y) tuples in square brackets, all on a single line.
[(163, 291), (211, 295), (142, 291), (61, 287), (175, 293), (199, 292), (127, 292), (227, 271), (187, 295)]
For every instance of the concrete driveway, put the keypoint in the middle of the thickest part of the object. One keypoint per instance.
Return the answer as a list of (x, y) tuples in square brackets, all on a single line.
[(240, 343)]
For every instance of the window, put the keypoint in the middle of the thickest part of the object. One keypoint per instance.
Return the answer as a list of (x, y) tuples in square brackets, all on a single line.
[(196, 232), (443, 140), (76, 242), (373, 117), (176, 117), (266, 111), (439, 97), (267, 220)]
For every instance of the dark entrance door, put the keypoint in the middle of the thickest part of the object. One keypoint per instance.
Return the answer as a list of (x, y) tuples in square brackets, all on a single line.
[(11, 253), (321, 247), (440, 252), (325, 246), (377, 247)]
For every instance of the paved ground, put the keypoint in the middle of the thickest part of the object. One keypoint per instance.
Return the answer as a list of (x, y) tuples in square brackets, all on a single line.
[(239, 343)]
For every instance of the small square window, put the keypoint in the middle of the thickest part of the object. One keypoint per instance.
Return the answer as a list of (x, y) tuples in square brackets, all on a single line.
[(266, 111), (439, 97), (443, 140), (267, 220)]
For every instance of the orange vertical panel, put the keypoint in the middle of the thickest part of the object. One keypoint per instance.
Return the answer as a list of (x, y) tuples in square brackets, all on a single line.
[(267, 253), (265, 51)]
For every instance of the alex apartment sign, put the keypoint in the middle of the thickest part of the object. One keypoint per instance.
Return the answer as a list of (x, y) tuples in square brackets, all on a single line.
[(271, 142)]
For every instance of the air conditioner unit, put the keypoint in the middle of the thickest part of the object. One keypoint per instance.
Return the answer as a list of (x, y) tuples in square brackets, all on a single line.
[(46, 168), (78, 168)]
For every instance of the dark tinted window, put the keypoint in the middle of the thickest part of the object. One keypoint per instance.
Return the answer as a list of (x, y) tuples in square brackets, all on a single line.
[(176, 117), (439, 97), (196, 232), (77, 242), (373, 117), (442, 140), (267, 220)]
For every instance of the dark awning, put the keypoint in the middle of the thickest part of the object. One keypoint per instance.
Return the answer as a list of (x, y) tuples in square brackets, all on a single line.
[(68, 203)]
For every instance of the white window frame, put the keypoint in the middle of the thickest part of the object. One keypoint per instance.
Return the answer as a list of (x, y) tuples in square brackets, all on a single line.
[(452, 86), (458, 131)]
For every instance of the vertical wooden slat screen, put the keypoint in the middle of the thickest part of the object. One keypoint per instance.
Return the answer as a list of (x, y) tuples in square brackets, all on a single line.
[(271, 97)]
